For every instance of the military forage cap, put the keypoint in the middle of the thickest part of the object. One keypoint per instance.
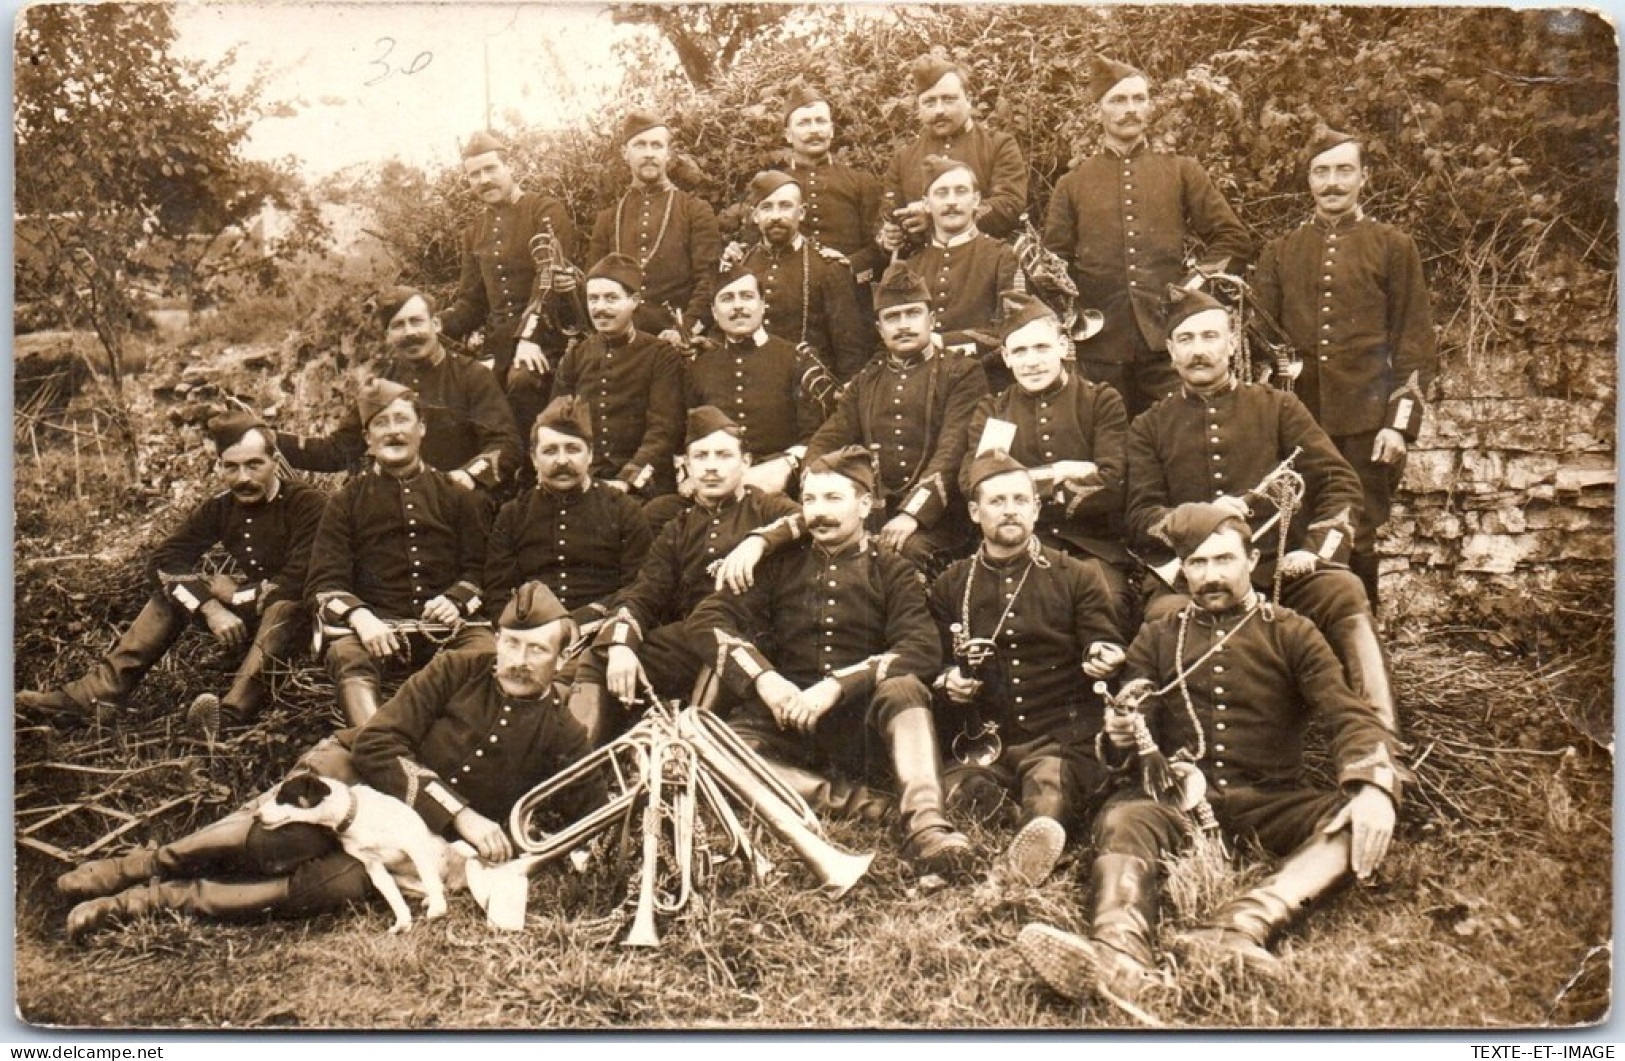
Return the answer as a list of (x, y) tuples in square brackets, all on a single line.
[(568, 416), (377, 394), (938, 166), (532, 605), (993, 462), (1104, 73), (707, 420), (481, 143), (901, 286), (767, 182), (1020, 310), (1184, 303), (1323, 140), (854, 462), (621, 268), (801, 95), (1191, 524), (228, 429), (640, 122), (388, 302), (928, 69)]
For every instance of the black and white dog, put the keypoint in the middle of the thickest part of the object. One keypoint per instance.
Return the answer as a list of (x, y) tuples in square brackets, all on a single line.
[(378, 830)]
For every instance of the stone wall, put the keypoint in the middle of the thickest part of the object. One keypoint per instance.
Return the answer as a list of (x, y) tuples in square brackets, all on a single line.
[(1511, 483)]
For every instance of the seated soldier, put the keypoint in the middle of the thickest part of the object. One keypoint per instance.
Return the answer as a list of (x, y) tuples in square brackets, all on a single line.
[(470, 429), (759, 381), (579, 537), (632, 382), (1047, 624), (266, 525), (910, 407), (397, 543), (463, 740), (853, 646), (1070, 433), (1228, 685), (1215, 441)]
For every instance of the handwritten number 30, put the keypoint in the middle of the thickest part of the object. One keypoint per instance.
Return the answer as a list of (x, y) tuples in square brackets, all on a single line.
[(419, 61)]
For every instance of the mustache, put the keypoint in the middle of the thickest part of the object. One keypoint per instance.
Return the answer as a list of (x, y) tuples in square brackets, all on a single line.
[(823, 523), (740, 315), (1213, 587), (1334, 191)]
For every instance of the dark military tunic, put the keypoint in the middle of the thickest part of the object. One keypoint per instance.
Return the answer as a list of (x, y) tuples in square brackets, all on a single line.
[(856, 615), (1001, 173), (1352, 297), (757, 382), (392, 545), (451, 738), (966, 275), (584, 545), (842, 211), (811, 299), (1057, 608), (674, 235), (1121, 223), (634, 386), (270, 543), (467, 424), (498, 277), (913, 415), (1071, 419), (1191, 448)]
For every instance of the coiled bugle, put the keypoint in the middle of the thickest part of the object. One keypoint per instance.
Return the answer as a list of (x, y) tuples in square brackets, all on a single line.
[(1264, 341), (615, 775), (747, 778), (1282, 485), (978, 743)]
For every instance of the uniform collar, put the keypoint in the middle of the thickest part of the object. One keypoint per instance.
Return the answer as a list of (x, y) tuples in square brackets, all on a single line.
[(660, 188), (727, 503), (823, 163), (1332, 224), (1056, 386), (913, 360), (757, 338), (857, 547), (953, 137), (410, 477), (619, 341), (796, 244), (1134, 149), (1193, 396), (957, 241)]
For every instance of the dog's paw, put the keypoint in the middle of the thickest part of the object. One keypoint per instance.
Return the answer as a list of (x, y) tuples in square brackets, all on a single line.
[(400, 928), (434, 910)]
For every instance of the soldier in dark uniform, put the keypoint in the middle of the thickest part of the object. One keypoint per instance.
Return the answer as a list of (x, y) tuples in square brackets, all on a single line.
[(266, 525), (632, 382), (1051, 624), (398, 542), (463, 740), (1234, 730), (527, 317), (946, 128), (808, 288), (842, 204), (576, 535), (1072, 433), (759, 381), (848, 668), (1120, 220), (1215, 441), (470, 428), (910, 407), (645, 634), (1350, 292), (965, 270), (671, 234)]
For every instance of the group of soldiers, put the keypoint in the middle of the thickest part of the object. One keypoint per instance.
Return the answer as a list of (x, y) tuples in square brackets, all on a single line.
[(859, 489)]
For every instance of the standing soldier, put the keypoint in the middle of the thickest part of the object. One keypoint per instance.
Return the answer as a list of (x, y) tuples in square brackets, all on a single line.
[(500, 289), (1120, 220), (670, 234), (266, 525), (632, 382), (842, 204), (1350, 293), (946, 128), (808, 289), (910, 408)]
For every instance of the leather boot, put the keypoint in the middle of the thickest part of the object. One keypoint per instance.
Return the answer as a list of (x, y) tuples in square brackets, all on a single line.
[(930, 844), (1246, 926), (215, 846), (836, 798), (55, 706), (201, 898), (115, 676), (1118, 957), (358, 699), (1354, 639), (1367, 566)]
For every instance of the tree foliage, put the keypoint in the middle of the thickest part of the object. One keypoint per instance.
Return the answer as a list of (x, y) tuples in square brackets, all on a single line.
[(707, 38)]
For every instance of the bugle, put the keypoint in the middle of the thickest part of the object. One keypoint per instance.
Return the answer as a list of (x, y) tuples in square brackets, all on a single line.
[(619, 768), (434, 632)]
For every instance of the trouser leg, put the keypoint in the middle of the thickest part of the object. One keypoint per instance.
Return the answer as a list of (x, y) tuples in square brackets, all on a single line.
[(279, 629)]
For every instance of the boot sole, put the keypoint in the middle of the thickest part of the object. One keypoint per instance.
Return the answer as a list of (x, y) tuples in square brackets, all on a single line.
[(1062, 960), (1034, 852)]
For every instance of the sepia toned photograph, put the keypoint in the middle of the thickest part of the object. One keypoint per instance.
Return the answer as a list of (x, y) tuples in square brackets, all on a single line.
[(817, 517)]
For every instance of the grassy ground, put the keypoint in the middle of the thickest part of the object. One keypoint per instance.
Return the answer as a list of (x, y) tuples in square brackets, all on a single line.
[(1492, 911)]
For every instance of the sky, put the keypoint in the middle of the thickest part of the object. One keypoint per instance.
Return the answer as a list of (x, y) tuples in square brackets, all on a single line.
[(373, 80)]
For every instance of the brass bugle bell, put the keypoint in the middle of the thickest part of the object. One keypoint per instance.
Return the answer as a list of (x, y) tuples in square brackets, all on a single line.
[(623, 764)]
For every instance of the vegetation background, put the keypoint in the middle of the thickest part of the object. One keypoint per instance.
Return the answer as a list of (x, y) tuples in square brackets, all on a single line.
[(145, 301)]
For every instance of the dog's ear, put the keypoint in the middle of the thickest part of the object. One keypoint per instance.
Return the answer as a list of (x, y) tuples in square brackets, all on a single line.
[(303, 790)]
